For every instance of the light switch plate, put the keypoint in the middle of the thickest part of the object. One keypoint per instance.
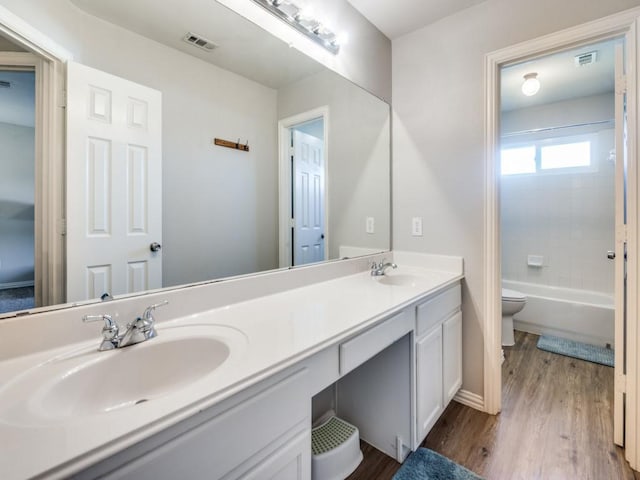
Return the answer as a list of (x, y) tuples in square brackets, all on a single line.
[(416, 226), (371, 225)]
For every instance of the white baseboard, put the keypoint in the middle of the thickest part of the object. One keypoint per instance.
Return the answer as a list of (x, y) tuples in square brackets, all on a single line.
[(470, 399), (24, 283)]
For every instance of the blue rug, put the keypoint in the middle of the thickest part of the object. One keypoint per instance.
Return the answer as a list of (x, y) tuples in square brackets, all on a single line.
[(425, 464), (583, 351)]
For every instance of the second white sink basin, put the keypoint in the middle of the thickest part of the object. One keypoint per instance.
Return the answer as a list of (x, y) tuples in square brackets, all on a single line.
[(399, 279), (411, 277), (88, 382)]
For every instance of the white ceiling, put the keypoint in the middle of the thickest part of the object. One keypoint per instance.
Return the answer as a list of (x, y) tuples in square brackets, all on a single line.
[(560, 79), (244, 48), (398, 17)]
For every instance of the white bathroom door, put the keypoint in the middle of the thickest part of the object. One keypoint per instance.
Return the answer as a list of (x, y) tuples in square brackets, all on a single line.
[(308, 199), (620, 251), (114, 185)]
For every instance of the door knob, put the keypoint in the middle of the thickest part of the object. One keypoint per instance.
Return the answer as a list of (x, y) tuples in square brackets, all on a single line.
[(155, 247), (611, 254)]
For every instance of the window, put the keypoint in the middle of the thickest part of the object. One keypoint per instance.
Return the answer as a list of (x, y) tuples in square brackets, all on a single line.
[(518, 160), (557, 155), (565, 155)]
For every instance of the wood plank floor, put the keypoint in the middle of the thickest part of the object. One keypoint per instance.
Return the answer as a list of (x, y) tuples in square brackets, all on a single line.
[(556, 424)]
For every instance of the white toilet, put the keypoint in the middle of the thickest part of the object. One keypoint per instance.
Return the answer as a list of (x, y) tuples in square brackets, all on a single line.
[(512, 302)]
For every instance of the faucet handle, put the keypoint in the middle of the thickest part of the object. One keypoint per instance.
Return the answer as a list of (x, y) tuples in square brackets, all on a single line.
[(147, 312), (110, 330)]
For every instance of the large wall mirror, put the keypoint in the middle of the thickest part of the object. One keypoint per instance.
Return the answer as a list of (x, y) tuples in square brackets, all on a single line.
[(314, 185)]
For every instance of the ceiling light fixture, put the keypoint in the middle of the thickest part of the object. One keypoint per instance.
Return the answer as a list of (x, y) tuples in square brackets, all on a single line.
[(531, 84), (301, 20)]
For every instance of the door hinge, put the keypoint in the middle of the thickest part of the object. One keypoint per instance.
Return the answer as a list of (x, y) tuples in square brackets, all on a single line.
[(292, 222), (621, 234), (63, 99), (621, 383), (62, 226), (621, 84), (291, 151)]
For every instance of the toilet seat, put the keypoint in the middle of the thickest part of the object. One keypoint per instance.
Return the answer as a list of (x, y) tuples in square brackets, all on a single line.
[(513, 295)]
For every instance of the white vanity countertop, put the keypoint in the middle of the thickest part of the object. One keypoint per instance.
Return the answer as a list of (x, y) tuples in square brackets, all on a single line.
[(272, 333)]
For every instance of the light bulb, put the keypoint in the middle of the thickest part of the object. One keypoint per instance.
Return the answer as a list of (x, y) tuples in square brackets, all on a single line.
[(531, 84), (342, 39)]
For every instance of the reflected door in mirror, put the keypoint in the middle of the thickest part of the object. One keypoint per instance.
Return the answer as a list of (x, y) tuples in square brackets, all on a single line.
[(308, 198), (114, 180)]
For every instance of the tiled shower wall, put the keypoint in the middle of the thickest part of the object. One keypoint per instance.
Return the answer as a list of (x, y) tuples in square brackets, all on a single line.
[(566, 218)]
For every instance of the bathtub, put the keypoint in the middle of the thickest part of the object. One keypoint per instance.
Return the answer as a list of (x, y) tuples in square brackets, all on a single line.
[(579, 315)]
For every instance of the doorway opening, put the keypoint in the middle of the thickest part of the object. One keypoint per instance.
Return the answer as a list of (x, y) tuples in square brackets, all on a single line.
[(559, 190), (17, 188), (616, 27), (303, 212), (22, 48)]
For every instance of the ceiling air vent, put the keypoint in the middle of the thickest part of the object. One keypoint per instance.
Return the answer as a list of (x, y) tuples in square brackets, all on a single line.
[(5, 84), (586, 58), (199, 41)]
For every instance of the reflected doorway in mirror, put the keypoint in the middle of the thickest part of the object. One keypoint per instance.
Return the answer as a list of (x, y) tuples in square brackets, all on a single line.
[(303, 198)]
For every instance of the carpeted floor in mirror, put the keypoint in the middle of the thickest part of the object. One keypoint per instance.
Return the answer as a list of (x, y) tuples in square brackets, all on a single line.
[(13, 299)]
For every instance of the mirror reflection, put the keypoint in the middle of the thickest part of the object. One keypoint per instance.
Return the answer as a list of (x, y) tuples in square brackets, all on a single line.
[(306, 178)]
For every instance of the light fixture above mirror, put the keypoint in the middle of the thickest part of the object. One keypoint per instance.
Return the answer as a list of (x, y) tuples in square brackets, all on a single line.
[(302, 20)]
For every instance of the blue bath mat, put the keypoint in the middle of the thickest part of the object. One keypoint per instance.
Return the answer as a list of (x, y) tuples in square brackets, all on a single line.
[(583, 351), (425, 464)]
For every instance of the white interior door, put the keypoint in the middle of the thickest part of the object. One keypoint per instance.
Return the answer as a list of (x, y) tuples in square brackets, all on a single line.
[(308, 198), (620, 252), (114, 185)]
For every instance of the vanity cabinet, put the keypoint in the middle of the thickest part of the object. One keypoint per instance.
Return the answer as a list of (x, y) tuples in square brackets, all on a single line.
[(438, 357), (262, 433), (392, 380)]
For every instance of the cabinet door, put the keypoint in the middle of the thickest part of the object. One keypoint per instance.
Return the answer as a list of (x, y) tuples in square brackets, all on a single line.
[(290, 462), (452, 356), (429, 381)]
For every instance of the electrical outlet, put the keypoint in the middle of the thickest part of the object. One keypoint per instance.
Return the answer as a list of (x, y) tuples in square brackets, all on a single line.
[(371, 225), (416, 226)]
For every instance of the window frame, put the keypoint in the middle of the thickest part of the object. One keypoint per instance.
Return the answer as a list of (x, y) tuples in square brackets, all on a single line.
[(592, 138)]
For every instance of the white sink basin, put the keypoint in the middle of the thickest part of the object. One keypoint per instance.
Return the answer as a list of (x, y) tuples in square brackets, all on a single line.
[(87, 382), (399, 279), (411, 278)]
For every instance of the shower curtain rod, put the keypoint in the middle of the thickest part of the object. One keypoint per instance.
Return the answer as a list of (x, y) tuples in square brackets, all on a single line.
[(559, 127)]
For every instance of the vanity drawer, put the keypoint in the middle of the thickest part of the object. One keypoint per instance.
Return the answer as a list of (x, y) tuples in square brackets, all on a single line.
[(359, 349), (437, 309)]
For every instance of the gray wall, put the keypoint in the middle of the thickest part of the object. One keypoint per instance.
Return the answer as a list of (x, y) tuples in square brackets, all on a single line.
[(17, 164), (438, 135), (358, 173)]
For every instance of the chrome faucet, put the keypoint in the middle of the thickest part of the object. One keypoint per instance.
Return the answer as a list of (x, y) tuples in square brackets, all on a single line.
[(377, 270), (140, 330)]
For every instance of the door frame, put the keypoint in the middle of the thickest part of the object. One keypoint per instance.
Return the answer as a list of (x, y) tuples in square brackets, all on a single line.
[(48, 59), (618, 25), (285, 243)]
